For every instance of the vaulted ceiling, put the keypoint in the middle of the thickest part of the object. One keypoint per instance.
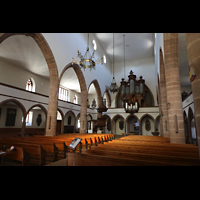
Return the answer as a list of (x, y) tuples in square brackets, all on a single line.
[(23, 52), (138, 45)]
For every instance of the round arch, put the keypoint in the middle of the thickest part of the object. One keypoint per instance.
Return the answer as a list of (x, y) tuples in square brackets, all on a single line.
[(74, 116), (53, 73), (108, 127), (83, 87), (157, 122), (188, 137), (42, 108), (128, 118), (113, 124), (141, 124), (108, 98), (116, 97), (38, 105), (61, 113), (192, 126), (23, 112), (98, 91), (60, 125), (16, 102)]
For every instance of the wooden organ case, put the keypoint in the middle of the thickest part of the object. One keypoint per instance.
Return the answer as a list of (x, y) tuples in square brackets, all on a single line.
[(132, 93)]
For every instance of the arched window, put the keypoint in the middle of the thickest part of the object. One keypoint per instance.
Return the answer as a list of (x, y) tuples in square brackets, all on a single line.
[(30, 85), (75, 99), (63, 94)]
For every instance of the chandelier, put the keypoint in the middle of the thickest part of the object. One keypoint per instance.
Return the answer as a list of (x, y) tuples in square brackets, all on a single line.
[(113, 87), (87, 61)]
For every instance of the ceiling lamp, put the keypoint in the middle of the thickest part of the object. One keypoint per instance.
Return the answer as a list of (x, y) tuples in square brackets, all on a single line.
[(87, 61), (113, 87)]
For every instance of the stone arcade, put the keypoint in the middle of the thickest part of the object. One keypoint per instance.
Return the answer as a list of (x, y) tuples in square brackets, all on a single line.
[(44, 93)]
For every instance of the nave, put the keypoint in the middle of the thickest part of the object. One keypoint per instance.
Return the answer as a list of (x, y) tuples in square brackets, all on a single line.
[(134, 150), (98, 150)]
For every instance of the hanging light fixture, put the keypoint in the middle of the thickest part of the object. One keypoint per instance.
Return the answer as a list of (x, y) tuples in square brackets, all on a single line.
[(132, 91), (113, 87), (87, 61)]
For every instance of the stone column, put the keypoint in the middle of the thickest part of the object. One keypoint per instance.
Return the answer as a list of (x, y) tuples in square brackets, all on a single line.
[(174, 101), (83, 115), (160, 111), (193, 48), (51, 122), (163, 99)]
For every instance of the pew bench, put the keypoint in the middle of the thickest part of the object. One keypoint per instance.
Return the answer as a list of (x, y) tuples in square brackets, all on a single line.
[(59, 147), (148, 151), (98, 160), (19, 155), (162, 159), (37, 153), (146, 138)]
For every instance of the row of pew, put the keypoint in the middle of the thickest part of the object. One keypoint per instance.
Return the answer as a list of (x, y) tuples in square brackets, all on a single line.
[(41, 150), (135, 150)]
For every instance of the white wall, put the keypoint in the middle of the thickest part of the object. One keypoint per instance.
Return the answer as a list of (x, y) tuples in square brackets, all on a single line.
[(15, 76), (159, 43), (66, 119), (144, 131), (36, 112), (188, 103), (91, 97), (117, 129)]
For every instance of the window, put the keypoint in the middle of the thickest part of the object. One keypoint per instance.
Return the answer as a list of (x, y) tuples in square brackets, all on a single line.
[(63, 94), (30, 85), (79, 123), (75, 99), (29, 119), (94, 45), (104, 59)]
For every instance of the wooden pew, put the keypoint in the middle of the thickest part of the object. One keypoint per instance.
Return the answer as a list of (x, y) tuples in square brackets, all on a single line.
[(153, 144), (37, 153), (18, 154), (44, 147), (51, 146), (91, 138), (147, 150), (164, 149), (95, 160), (146, 138), (162, 159)]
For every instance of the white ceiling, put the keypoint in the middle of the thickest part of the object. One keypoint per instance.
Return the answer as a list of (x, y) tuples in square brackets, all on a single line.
[(140, 45), (23, 52)]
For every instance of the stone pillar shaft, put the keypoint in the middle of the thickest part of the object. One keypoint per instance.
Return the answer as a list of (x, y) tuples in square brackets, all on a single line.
[(163, 99), (175, 111), (193, 48)]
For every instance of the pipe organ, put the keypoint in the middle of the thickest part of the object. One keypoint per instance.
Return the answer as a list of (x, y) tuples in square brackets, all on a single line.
[(132, 93)]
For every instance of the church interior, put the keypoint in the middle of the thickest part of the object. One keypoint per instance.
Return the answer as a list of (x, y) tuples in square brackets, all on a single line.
[(132, 98)]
